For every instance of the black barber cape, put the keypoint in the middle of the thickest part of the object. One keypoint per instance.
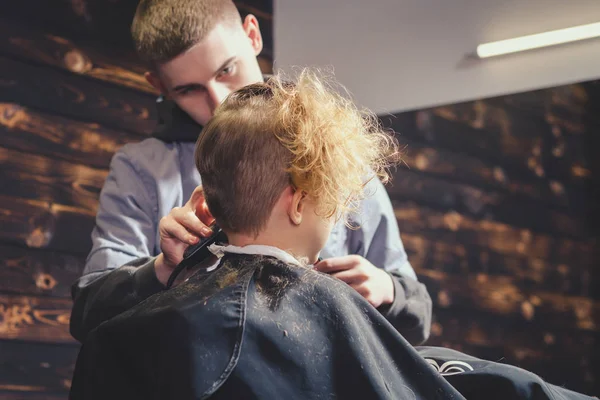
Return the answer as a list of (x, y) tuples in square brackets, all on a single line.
[(259, 328)]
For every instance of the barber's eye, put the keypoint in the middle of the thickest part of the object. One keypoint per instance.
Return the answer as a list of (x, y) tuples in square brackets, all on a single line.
[(227, 70), (188, 90)]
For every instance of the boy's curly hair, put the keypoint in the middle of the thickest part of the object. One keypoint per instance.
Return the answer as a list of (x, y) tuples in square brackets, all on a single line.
[(269, 135)]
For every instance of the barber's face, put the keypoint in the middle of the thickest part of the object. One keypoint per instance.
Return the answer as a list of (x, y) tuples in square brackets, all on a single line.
[(202, 77)]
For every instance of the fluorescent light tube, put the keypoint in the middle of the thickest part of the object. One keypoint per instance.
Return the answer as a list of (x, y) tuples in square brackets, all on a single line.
[(538, 40)]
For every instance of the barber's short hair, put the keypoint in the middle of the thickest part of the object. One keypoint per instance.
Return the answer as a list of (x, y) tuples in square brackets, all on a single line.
[(163, 29), (268, 136)]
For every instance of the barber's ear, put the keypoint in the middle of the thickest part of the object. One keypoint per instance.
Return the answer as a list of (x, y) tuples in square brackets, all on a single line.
[(154, 80), (297, 206), (252, 30)]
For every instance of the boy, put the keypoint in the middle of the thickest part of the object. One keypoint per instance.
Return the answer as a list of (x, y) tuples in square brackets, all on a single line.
[(198, 52), (265, 324)]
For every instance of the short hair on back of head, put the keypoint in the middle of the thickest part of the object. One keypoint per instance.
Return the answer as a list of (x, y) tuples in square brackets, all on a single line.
[(268, 136), (163, 29)]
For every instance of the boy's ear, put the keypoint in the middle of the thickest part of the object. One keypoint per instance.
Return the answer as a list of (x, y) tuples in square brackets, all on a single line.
[(252, 30), (296, 206), (154, 80)]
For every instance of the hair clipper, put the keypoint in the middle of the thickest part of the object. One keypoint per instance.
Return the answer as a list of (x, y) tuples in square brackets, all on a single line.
[(198, 252)]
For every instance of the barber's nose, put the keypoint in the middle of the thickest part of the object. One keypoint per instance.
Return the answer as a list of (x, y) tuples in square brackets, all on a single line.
[(217, 94)]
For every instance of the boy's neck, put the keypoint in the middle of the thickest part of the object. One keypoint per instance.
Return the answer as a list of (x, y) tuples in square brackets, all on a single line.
[(281, 240)]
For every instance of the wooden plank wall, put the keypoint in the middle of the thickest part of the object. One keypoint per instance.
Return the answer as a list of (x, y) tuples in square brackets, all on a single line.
[(71, 93), (498, 205)]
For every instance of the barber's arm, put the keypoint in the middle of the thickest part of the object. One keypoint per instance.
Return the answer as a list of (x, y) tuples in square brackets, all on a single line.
[(119, 270), (379, 269), (410, 312)]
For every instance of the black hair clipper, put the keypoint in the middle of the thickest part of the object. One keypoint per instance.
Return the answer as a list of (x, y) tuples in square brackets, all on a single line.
[(197, 253)]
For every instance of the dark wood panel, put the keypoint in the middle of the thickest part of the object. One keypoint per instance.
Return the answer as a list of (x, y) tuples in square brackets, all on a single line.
[(40, 319), (47, 225), (36, 272), (492, 205), (527, 272), (479, 328), (483, 173), (525, 158), (86, 59), (562, 107), (499, 295), (540, 143), (76, 96), (509, 130), (41, 178), (35, 370), (18, 40), (27, 395), (498, 237), (108, 23), (439, 128), (35, 132), (555, 111)]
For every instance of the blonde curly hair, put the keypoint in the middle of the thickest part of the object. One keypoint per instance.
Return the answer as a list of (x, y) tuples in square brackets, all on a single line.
[(267, 136)]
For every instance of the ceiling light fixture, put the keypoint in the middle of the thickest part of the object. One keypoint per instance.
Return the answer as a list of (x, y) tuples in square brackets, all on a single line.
[(538, 40)]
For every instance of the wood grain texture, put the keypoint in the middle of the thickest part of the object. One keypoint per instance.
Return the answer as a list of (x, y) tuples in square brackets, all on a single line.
[(527, 272), (119, 68), (29, 395), (440, 130), (488, 204), (106, 26), (46, 225), (481, 172), (18, 41), (36, 272), (551, 148), (501, 238), (45, 179), (479, 328), (80, 98), (34, 318), (499, 295), (29, 130), (547, 155), (32, 370), (561, 106)]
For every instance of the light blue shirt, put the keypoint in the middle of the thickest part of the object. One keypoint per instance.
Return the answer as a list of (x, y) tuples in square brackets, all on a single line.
[(148, 179)]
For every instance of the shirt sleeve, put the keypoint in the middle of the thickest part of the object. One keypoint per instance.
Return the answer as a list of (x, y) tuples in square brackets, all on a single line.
[(126, 222), (410, 312), (119, 270), (378, 240)]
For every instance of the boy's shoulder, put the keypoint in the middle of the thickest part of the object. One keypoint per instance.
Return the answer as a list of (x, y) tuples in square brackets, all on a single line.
[(212, 306)]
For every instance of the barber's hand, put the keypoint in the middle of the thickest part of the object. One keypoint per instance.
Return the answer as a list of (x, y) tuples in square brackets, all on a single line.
[(182, 227), (373, 283)]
